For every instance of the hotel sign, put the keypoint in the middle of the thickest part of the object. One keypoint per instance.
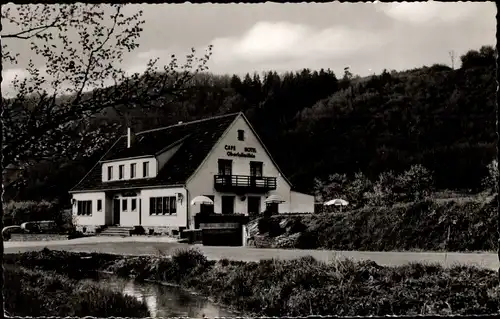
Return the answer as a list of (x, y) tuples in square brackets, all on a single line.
[(247, 151)]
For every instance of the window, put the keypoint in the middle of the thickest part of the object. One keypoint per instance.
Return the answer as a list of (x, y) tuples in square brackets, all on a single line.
[(163, 205), (133, 204), (145, 169), (121, 170), (207, 209), (133, 167), (256, 169), (110, 173), (99, 205), (124, 204), (253, 205), (84, 207), (225, 167), (241, 135)]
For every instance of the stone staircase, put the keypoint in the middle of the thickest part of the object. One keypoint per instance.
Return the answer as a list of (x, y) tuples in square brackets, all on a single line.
[(118, 231)]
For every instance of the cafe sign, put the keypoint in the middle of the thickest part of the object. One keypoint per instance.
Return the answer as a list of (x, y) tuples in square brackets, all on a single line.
[(248, 152)]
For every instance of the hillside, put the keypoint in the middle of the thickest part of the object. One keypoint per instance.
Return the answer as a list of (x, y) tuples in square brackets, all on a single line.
[(453, 225), (315, 123)]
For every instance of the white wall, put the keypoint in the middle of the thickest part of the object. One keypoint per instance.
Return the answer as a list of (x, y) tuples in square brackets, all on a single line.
[(202, 183), (97, 218), (301, 203), (179, 220), (153, 167)]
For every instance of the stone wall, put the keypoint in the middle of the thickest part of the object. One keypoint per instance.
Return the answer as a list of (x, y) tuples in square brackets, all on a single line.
[(172, 231), (37, 237), (88, 229)]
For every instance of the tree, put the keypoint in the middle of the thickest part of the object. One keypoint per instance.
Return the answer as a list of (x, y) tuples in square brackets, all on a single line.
[(82, 47), (415, 183), (334, 187), (490, 182), (358, 188), (383, 191), (485, 57)]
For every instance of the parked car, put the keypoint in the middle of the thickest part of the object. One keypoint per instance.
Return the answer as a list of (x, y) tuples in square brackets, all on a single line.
[(44, 226), (9, 230)]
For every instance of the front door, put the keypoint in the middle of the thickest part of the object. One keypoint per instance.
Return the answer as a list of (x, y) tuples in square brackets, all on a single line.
[(116, 212), (253, 205), (227, 205)]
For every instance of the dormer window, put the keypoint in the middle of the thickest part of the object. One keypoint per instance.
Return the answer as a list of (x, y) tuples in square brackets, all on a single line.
[(145, 169), (110, 173), (121, 171), (133, 167), (241, 135)]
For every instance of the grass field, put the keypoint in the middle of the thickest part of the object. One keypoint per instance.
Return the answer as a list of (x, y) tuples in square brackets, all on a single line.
[(299, 287)]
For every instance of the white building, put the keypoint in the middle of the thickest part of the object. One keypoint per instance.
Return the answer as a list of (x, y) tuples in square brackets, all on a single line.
[(148, 179)]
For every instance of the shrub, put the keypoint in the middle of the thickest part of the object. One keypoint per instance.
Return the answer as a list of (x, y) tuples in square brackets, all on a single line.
[(37, 293), (188, 260)]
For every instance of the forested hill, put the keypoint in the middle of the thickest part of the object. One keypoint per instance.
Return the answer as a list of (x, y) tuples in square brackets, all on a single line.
[(316, 124)]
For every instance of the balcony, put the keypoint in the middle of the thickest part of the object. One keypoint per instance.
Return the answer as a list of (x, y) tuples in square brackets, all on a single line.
[(243, 183)]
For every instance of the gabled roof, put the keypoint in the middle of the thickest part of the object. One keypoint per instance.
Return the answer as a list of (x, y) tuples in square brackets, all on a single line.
[(196, 140)]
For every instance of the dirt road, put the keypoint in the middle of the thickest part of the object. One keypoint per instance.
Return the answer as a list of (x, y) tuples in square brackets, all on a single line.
[(148, 246)]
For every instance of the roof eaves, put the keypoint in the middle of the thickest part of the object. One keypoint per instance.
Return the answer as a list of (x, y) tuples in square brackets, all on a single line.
[(266, 150), (187, 123), (126, 158), (93, 167), (125, 188), (236, 115)]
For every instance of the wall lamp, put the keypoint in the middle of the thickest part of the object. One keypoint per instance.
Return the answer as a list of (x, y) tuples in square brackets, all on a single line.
[(180, 197)]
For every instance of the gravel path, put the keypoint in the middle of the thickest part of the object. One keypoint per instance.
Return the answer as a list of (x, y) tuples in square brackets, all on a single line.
[(155, 245)]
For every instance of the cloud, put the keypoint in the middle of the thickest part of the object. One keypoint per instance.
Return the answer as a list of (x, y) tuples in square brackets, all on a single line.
[(278, 41), (8, 76), (431, 11)]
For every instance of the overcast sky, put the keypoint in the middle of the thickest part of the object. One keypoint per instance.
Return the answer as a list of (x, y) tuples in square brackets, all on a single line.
[(367, 37)]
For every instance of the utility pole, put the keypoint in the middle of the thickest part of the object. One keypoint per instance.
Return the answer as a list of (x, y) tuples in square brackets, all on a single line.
[(452, 57)]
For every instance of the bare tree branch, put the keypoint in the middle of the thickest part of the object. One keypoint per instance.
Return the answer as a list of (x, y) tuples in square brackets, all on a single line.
[(53, 112)]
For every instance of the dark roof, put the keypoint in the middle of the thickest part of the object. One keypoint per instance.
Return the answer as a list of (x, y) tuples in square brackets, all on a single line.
[(197, 138)]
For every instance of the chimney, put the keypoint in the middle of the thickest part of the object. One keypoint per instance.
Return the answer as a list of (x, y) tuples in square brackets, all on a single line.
[(129, 137), (180, 122)]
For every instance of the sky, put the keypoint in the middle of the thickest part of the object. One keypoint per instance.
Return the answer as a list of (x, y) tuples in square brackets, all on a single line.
[(367, 37)]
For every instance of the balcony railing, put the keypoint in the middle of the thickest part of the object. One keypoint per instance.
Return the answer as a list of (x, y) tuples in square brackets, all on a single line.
[(244, 183)]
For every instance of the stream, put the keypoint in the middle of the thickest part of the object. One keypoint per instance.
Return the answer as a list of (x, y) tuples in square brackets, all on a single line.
[(163, 300)]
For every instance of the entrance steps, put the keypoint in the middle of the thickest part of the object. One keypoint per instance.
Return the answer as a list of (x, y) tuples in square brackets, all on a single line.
[(119, 231)]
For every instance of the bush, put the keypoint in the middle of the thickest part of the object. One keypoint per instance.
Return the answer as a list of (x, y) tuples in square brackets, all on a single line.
[(37, 293), (188, 260)]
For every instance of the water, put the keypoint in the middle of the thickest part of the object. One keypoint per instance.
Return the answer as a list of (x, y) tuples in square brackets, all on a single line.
[(166, 301)]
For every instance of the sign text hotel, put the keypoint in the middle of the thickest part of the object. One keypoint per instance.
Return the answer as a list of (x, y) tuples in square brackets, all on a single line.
[(247, 151)]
